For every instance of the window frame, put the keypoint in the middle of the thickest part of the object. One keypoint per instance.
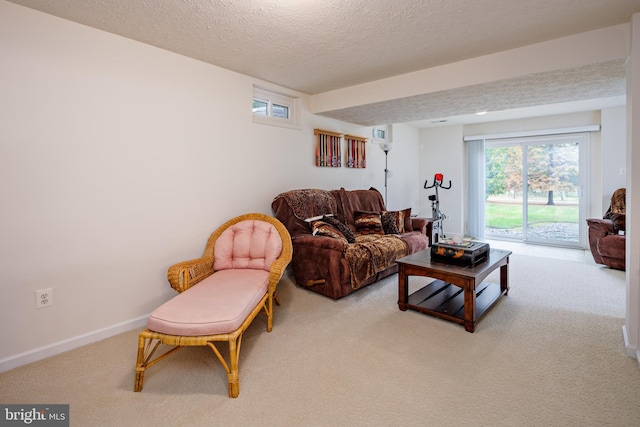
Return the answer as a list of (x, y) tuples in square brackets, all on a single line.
[(271, 98)]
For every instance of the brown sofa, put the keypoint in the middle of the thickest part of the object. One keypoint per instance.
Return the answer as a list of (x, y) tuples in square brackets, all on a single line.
[(607, 238), (334, 261)]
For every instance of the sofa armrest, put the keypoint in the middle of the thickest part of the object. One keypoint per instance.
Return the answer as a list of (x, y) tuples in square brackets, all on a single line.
[(319, 263), (419, 224), (323, 242), (185, 274), (612, 252), (600, 227), (612, 246)]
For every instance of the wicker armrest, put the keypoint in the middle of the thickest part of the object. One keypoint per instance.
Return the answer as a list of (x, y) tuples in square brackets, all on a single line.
[(183, 275), (277, 269)]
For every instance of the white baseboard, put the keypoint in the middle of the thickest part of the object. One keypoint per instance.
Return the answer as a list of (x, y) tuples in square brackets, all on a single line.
[(69, 344), (88, 338), (630, 350)]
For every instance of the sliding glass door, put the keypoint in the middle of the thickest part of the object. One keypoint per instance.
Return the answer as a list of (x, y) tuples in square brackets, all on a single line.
[(504, 191), (533, 189)]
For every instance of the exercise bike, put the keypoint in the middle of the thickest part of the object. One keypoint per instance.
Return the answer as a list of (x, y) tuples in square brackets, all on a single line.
[(436, 213)]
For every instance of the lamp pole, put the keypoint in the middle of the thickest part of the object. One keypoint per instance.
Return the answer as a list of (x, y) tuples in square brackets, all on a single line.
[(386, 172), (386, 147)]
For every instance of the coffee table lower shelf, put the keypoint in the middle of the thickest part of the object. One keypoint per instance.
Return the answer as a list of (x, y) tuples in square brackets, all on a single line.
[(459, 294), (446, 301)]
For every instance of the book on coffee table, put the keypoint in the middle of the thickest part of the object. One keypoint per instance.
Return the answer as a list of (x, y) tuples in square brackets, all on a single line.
[(466, 242), (467, 253)]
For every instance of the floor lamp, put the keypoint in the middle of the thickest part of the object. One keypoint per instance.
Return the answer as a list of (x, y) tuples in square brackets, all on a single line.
[(386, 147)]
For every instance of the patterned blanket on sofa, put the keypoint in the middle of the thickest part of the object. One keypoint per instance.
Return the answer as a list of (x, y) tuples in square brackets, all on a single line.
[(308, 203), (371, 254)]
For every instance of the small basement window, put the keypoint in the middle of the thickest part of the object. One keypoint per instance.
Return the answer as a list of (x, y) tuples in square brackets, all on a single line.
[(273, 108)]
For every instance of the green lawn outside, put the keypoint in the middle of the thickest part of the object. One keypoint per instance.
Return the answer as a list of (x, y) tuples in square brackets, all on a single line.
[(506, 216)]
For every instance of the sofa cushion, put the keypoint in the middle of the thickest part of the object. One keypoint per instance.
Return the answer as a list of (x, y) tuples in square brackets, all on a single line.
[(351, 201), (415, 240), (372, 254), (247, 244), (321, 228), (368, 223), (218, 304)]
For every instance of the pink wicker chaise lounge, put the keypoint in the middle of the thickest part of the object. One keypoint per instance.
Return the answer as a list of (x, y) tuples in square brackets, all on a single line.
[(220, 293)]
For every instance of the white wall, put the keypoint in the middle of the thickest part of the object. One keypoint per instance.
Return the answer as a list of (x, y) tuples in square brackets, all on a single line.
[(442, 151), (614, 153), (404, 165), (117, 160)]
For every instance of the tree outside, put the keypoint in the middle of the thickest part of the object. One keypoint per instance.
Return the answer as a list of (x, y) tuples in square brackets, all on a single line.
[(552, 208)]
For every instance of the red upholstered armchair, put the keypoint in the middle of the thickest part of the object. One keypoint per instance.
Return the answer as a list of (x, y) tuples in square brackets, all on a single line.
[(607, 238)]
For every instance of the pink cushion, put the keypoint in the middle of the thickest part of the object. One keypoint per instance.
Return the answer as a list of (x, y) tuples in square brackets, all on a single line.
[(217, 305), (247, 244)]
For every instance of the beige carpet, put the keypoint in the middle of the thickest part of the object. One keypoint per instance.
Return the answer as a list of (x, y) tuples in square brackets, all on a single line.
[(549, 354)]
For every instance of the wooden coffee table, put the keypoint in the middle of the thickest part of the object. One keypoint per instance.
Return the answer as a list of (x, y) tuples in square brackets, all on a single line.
[(459, 293)]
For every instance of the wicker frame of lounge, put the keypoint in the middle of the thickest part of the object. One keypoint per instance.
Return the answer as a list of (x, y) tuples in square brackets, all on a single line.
[(183, 276)]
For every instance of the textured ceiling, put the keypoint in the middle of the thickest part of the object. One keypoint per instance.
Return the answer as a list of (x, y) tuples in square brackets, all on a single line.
[(316, 46), (597, 81)]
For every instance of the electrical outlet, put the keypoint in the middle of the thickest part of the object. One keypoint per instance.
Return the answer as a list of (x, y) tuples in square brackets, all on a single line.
[(44, 298)]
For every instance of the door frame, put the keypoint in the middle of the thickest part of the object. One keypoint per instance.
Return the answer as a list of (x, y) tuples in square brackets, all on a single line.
[(584, 145)]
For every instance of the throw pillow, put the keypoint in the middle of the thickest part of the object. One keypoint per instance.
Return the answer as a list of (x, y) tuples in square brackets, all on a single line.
[(344, 228), (407, 220), (619, 222), (368, 223), (393, 222), (321, 228)]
